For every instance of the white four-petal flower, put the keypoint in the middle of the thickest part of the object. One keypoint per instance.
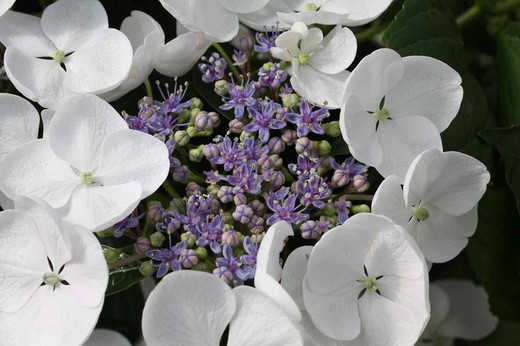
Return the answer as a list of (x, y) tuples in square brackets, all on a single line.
[(318, 64), (69, 50), (53, 278), (90, 166), (396, 107), (363, 274), (438, 203)]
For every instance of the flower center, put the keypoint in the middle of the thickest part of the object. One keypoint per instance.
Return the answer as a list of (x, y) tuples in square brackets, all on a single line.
[(51, 279), (86, 178), (58, 56), (420, 213), (311, 7), (304, 58), (383, 114), (371, 284)]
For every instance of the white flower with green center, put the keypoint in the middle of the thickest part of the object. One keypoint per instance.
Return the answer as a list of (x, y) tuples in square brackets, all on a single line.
[(53, 278), (5, 5), (395, 108), (332, 12), (460, 310), (438, 203), (70, 50), (318, 64), (367, 283), (90, 166)]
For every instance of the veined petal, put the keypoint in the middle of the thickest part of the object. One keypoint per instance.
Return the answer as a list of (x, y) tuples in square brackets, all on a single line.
[(260, 321), (358, 12), (389, 201), (107, 337), (312, 336), (312, 41), (33, 170), (440, 307), (97, 207), (19, 123), (268, 258), (192, 308), (179, 55), (313, 17), (289, 41), (339, 51), (293, 273), (299, 5), (320, 88), (133, 156), (24, 32), (240, 6), (69, 24), (428, 88), (80, 127), (138, 26), (100, 64), (266, 17)]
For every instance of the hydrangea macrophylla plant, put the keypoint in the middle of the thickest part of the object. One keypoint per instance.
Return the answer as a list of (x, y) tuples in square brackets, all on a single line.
[(438, 203), (317, 63), (360, 276), (69, 50), (55, 285), (217, 20), (147, 39), (19, 122), (91, 167), (5, 5), (460, 310), (195, 308), (394, 109), (333, 12)]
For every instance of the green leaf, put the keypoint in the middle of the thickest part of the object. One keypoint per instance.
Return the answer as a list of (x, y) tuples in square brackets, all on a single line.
[(122, 279), (508, 142), (339, 147), (508, 64), (493, 251), (426, 27)]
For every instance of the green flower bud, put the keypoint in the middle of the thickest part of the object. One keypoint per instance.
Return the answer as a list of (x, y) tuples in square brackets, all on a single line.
[(111, 255), (228, 217), (329, 210), (193, 114), (197, 103), (181, 138), (277, 161), (157, 239), (202, 253), (213, 188), (322, 147), (196, 154), (205, 133), (147, 269), (106, 233), (268, 66), (332, 129), (290, 100), (189, 238), (221, 87), (185, 116), (192, 131), (362, 208)]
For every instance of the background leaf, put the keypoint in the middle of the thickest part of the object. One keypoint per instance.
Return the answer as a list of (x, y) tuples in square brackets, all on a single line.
[(508, 63)]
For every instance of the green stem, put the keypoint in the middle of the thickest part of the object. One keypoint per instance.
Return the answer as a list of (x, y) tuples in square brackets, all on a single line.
[(197, 178), (226, 57), (369, 33), (168, 187), (125, 261), (470, 15), (148, 87)]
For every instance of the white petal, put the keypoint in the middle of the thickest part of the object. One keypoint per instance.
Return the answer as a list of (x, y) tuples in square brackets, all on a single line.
[(37, 79), (293, 273), (100, 64), (259, 321), (359, 11), (33, 170), (339, 51), (313, 17), (5, 202), (240, 6), (70, 23), (19, 123), (469, 317), (107, 337), (389, 201), (25, 32), (23, 260), (289, 41), (97, 207), (138, 26), (266, 18), (312, 41), (319, 87), (443, 236), (80, 127), (429, 88), (374, 76), (299, 5), (312, 336), (206, 16), (47, 115), (440, 307), (266, 284), (268, 257), (5, 5), (190, 307), (179, 55), (402, 140), (358, 128), (133, 156)]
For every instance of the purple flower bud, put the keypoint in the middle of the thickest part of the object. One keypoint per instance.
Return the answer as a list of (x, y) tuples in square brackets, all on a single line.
[(188, 258), (225, 194), (192, 188), (214, 118), (277, 161), (289, 136), (240, 199), (181, 174), (340, 178), (276, 145), (142, 245), (257, 207), (309, 230), (265, 162), (231, 237), (277, 180), (224, 273), (211, 151), (360, 183), (235, 126), (257, 237), (304, 145), (256, 224), (155, 211), (243, 214), (203, 122), (246, 43)]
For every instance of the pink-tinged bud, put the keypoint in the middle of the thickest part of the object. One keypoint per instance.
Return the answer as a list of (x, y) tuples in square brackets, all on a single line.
[(224, 273), (243, 214), (192, 188), (235, 126), (215, 118), (340, 178), (257, 207), (231, 237), (225, 194), (203, 122), (276, 145), (257, 237), (360, 183), (188, 258), (289, 136), (155, 211), (211, 151), (256, 224), (265, 162), (309, 230), (181, 174), (277, 180), (304, 145), (246, 43), (142, 245), (240, 199)]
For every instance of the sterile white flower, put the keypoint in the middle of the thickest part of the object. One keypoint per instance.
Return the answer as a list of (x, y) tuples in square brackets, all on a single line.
[(317, 63), (90, 167), (267, 17), (394, 109), (438, 203), (106, 337), (194, 308), (19, 123), (217, 20), (53, 278), (332, 12), (367, 282), (5, 5), (69, 50), (460, 310), (147, 38)]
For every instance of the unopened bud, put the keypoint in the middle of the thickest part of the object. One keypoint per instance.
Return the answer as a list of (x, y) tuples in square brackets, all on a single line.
[(202, 253), (111, 255), (361, 208), (332, 129), (157, 239), (147, 269), (196, 154), (142, 245), (221, 87), (188, 258), (322, 147), (290, 100)]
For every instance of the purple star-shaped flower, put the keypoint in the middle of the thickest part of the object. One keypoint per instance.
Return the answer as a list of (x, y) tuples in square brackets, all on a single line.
[(240, 97), (263, 121), (283, 204), (169, 258), (308, 120)]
